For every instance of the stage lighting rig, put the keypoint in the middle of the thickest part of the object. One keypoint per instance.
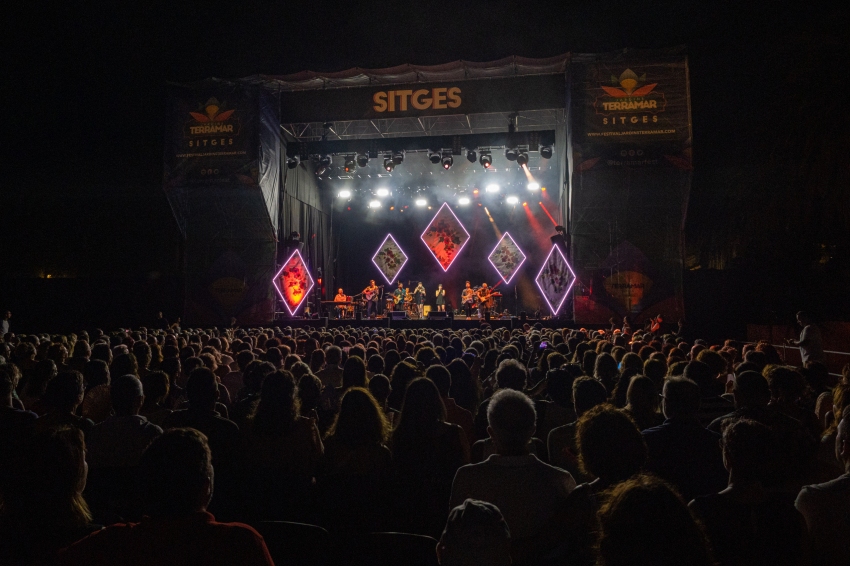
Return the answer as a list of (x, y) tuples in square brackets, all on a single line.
[(546, 152), (492, 188), (349, 164), (389, 164), (375, 204), (383, 192), (511, 153), (486, 160), (447, 161), (435, 157), (421, 202), (398, 157), (533, 186), (293, 162), (463, 201), (522, 159), (345, 193), (512, 200), (362, 160), (471, 156), (324, 164)]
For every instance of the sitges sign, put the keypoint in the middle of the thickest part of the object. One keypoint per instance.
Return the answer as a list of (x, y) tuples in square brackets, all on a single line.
[(438, 98)]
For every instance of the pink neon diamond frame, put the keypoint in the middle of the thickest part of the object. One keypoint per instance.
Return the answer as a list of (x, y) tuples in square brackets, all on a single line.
[(555, 274), (443, 244), (386, 254), (291, 282), (502, 251)]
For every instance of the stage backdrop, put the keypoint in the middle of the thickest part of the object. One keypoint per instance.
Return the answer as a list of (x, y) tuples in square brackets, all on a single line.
[(630, 176), (222, 178)]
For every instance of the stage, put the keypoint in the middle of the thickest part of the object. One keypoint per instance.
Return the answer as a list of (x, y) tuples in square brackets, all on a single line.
[(460, 323)]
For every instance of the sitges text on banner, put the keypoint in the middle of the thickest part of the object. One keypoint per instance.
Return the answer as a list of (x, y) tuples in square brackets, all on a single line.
[(438, 98)]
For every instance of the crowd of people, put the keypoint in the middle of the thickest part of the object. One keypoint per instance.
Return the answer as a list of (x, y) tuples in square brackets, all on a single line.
[(524, 446)]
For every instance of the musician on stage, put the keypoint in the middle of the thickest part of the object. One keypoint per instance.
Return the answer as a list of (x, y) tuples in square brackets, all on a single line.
[(441, 298), (419, 299), (398, 297), (340, 298), (483, 300), (467, 298), (370, 293)]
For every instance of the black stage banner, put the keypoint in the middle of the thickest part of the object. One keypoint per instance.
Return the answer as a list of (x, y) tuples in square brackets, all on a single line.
[(470, 96)]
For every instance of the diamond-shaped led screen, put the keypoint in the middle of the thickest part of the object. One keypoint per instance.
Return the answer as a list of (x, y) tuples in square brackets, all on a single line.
[(445, 236)]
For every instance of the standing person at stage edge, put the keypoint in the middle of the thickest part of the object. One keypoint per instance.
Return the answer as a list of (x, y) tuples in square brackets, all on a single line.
[(370, 293), (419, 299), (441, 298)]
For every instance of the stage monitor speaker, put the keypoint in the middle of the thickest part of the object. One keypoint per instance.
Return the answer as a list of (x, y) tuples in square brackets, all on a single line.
[(358, 316), (398, 315), (522, 316), (437, 315), (487, 316)]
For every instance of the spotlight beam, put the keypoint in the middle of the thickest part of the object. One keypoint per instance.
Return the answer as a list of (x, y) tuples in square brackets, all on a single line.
[(547, 213)]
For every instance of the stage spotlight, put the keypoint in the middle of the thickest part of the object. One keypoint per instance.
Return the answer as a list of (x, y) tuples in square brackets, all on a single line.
[(324, 164), (345, 193), (350, 164), (374, 204), (447, 161), (435, 157), (522, 159), (383, 192), (292, 162), (421, 202), (546, 152), (471, 156), (463, 200), (486, 160), (512, 200), (533, 186), (362, 160), (511, 154), (389, 165), (398, 157), (493, 188)]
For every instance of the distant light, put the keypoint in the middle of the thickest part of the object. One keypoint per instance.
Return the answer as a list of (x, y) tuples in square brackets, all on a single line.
[(492, 188), (512, 200), (525, 204), (386, 192), (429, 208), (533, 186), (485, 160), (375, 204), (463, 200), (421, 202), (345, 194), (447, 161), (475, 192), (543, 189), (392, 208)]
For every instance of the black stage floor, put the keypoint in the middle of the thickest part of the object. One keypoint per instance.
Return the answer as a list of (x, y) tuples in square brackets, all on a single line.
[(460, 323)]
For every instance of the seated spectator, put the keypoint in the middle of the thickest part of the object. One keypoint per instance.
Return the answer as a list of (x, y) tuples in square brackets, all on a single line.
[(64, 394), (681, 451), (34, 386), (177, 485), (16, 425), (562, 447), (824, 506), (526, 490), (156, 386), (711, 405), (331, 375), (96, 402), (380, 388), (611, 448), (43, 507), (476, 534), (454, 414), (645, 523), (120, 440), (403, 373), (234, 380), (642, 403), (282, 450), (427, 451), (356, 466), (787, 387), (746, 523), (509, 375)]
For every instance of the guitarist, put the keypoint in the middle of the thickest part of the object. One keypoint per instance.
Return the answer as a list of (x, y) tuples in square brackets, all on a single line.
[(467, 299), (370, 293), (483, 300), (398, 297)]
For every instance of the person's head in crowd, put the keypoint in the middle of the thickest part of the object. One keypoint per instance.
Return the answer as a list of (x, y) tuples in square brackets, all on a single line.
[(587, 393), (95, 373), (610, 445), (173, 368), (360, 421), (702, 374), (644, 522), (421, 412), (748, 452), (278, 408), (380, 388), (786, 385), (677, 369), (559, 386), (655, 370), (817, 376), (124, 364), (45, 371), (476, 534), (441, 378), (317, 360), (511, 418), (155, 385), (46, 503), (842, 440), (750, 390), (143, 355), (333, 356), (309, 393), (642, 395), (127, 395), (176, 474), (82, 350), (588, 362), (298, 369), (757, 358), (202, 389), (511, 374), (715, 362), (354, 373), (58, 353), (243, 358), (680, 398), (101, 351), (375, 364), (65, 391), (605, 370)]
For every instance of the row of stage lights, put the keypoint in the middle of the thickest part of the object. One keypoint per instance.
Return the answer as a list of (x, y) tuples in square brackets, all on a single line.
[(444, 158), (462, 201)]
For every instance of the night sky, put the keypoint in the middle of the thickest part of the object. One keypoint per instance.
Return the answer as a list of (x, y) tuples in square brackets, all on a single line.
[(84, 98)]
